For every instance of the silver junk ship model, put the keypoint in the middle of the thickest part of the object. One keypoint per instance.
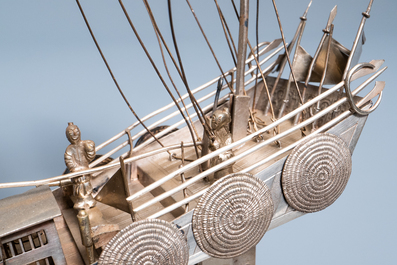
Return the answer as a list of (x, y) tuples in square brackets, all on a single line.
[(210, 190)]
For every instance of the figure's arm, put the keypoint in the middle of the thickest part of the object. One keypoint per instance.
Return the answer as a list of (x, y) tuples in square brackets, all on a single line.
[(89, 147)]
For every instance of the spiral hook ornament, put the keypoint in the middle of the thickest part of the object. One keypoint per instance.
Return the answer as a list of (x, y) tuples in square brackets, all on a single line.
[(349, 95)]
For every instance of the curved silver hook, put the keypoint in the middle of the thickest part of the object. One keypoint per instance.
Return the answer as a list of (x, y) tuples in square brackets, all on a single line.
[(353, 106)]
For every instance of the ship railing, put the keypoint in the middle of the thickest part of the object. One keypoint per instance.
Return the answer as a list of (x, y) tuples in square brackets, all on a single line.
[(267, 47), (378, 87), (57, 181), (65, 179)]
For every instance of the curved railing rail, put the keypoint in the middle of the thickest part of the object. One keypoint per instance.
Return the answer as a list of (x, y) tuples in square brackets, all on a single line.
[(270, 46), (356, 71), (256, 147)]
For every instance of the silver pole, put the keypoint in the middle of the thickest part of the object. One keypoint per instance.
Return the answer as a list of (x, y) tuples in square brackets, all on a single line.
[(242, 46)]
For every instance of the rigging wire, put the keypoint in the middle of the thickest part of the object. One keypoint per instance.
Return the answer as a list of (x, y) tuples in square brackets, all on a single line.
[(260, 70), (158, 34), (318, 106), (111, 74), (227, 33), (297, 38), (286, 51), (209, 46), (170, 54), (174, 62), (254, 120), (156, 69), (194, 102), (257, 49)]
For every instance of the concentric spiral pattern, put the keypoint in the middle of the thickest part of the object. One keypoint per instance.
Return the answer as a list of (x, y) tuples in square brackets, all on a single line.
[(147, 242), (232, 216), (316, 173)]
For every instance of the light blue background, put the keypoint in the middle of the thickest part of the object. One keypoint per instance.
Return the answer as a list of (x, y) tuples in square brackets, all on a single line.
[(51, 74)]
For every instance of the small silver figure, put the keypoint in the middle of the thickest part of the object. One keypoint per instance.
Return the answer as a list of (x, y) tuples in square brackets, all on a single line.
[(220, 126), (78, 155)]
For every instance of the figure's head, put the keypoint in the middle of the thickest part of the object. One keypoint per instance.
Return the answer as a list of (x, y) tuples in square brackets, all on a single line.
[(72, 133), (220, 118)]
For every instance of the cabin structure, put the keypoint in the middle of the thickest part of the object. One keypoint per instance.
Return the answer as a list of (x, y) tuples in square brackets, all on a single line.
[(28, 234)]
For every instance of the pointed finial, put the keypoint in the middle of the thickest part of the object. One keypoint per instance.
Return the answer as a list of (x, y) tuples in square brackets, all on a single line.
[(331, 18), (303, 17), (366, 13)]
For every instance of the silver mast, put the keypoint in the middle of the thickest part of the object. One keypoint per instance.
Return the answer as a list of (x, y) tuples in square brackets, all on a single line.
[(242, 46)]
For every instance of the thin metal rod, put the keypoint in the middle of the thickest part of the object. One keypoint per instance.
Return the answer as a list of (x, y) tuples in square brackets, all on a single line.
[(156, 29), (243, 140), (283, 62), (224, 98), (160, 36), (321, 129), (320, 45), (111, 73), (286, 51), (269, 158), (227, 33), (357, 39), (183, 176), (149, 141), (260, 70), (178, 204), (301, 28), (331, 18), (198, 89), (209, 45), (196, 106), (208, 107), (252, 167), (93, 170), (199, 161), (257, 55), (331, 30), (176, 113)]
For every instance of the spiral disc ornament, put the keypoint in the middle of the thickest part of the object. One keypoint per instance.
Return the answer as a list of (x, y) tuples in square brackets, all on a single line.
[(232, 216), (316, 173), (147, 242)]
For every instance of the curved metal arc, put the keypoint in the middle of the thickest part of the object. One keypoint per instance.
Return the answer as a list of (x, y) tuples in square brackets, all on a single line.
[(377, 90)]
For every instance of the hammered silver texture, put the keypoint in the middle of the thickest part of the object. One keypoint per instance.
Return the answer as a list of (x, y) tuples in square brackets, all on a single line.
[(316, 173), (147, 242), (232, 216)]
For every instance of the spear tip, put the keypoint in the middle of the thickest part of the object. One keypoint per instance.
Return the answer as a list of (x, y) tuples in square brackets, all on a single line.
[(332, 16), (307, 9), (369, 8)]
